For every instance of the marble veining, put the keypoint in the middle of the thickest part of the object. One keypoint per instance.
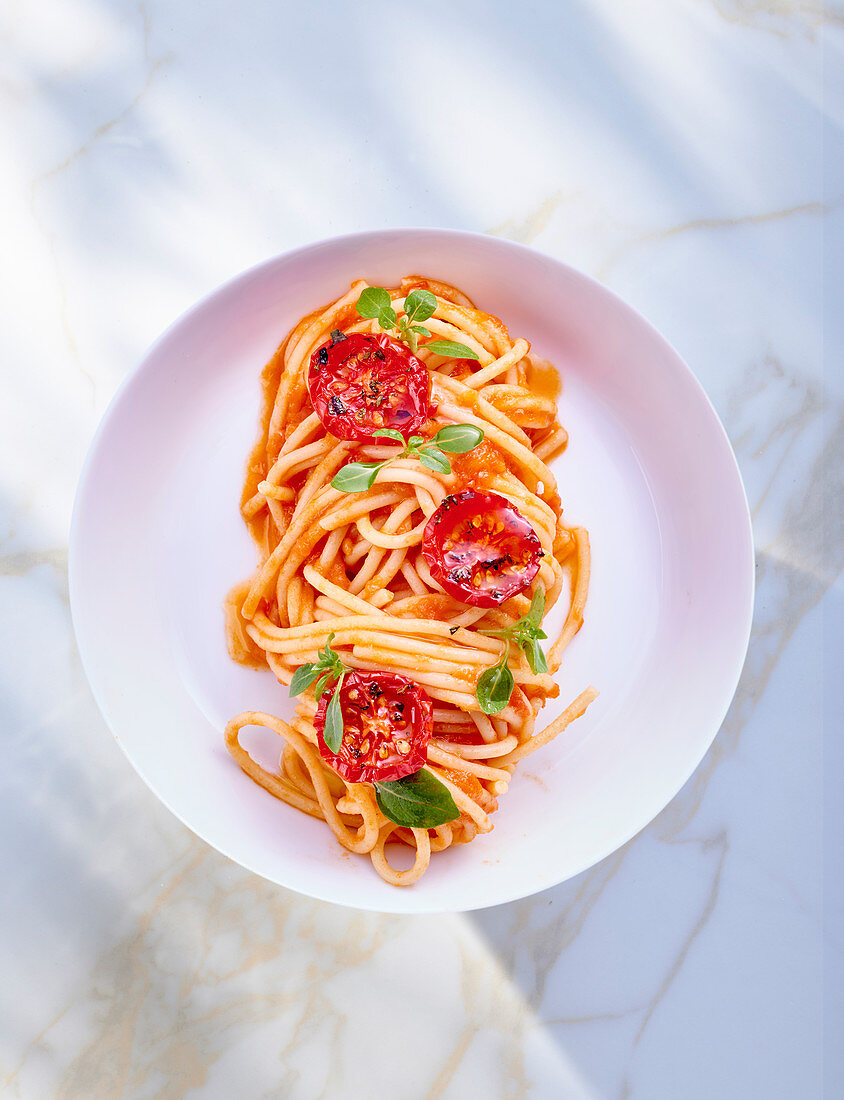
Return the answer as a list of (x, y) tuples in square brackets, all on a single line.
[(688, 154)]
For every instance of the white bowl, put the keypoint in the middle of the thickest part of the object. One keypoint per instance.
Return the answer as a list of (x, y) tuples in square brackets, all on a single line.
[(157, 540)]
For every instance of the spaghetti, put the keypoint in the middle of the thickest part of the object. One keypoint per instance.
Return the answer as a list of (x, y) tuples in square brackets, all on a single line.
[(345, 582)]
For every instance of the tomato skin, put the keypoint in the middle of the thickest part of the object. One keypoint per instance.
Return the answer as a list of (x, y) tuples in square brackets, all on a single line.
[(387, 723), (480, 548), (363, 382)]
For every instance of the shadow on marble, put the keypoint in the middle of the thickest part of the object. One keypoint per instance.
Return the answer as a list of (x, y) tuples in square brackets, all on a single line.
[(119, 161)]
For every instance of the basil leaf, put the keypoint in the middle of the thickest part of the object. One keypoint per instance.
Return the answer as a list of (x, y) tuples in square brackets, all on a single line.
[(332, 733), (420, 330), (418, 801), (524, 631), (537, 608), (322, 684), (494, 689), (303, 677), (535, 656), (356, 477), (415, 440), (458, 438), (419, 305), (390, 433), (372, 301), (434, 459), (433, 449), (387, 318), (451, 349)]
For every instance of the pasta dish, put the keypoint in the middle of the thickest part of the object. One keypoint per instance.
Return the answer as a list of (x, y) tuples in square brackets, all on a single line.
[(411, 541)]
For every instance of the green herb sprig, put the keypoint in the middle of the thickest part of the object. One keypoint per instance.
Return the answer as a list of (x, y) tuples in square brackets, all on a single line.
[(495, 686), (320, 673), (375, 304), (355, 477)]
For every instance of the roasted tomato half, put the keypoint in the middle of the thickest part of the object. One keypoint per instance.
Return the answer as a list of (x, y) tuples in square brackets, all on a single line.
[(360, 383), (480, 548), (387, 722)]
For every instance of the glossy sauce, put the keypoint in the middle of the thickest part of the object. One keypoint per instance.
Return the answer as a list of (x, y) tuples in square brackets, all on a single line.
[(466, 782), (543, 378), (477, 466), (436, 607)]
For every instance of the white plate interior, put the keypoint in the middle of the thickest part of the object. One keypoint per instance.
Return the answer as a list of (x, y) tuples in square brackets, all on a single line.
[(648, 470)]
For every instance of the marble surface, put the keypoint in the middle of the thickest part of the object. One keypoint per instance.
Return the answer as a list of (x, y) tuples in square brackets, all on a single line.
[(685, 152)]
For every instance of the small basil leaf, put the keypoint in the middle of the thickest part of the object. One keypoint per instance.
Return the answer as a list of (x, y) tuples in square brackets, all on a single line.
[(419, 305), (406, 321), (450, 349), (372, 301), (356, 477), (332, 733), (420, 330), (458, 438), (303, 677), (322, 684), (390, 433), (415, 440), (494, 689), (434, 459), (418, 801), (387, 317), (433, 449), (535, 656), (537, 607)]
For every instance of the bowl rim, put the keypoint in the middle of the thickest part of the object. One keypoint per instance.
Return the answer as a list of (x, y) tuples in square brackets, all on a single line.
[(404, 897)]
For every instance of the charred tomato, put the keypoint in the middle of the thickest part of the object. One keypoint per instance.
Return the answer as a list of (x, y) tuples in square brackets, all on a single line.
[(387, 723), (480, 548), (360, 383)]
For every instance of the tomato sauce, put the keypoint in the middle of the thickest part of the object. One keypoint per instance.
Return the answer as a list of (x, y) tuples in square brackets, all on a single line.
[(543, 378), (476, 466)]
